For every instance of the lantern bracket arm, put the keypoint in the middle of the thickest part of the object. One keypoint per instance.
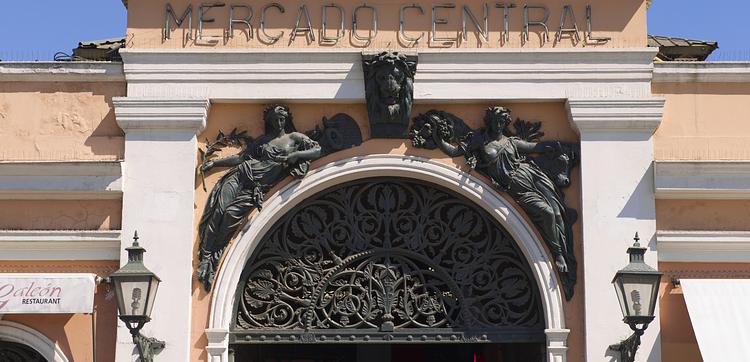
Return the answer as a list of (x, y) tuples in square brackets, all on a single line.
[(147, 346), (629, 346)]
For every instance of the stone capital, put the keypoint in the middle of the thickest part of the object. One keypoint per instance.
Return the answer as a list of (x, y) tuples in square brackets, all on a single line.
[(641, 115), (161, 114)]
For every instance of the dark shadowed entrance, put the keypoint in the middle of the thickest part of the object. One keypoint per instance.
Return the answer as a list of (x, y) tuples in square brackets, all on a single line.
[(17, 352), (394, 267), (518, 352)]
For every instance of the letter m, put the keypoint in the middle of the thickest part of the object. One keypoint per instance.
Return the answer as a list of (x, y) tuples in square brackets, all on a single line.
[(170, 14)]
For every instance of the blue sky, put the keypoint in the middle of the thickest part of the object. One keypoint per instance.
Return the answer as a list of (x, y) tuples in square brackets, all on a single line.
[(36, 29), (724, 21)]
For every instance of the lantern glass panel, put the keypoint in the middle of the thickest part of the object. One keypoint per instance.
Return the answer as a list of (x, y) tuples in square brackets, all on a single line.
[(152, 295), (638, 293), (133, 294), (620, 295)]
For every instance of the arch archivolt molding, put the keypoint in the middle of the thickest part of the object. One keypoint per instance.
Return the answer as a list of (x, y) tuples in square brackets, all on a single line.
[(22, 334), (324, 177)]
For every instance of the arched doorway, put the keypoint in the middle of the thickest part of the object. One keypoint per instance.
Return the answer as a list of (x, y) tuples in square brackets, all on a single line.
[(389, 261), (19, 342), (17, 352), (222, 311)]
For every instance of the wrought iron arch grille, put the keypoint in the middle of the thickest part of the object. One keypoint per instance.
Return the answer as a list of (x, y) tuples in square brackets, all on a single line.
[(387, 260)]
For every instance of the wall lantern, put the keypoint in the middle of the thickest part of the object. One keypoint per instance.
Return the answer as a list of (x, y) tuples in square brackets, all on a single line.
[(637, 286), (135, 287)]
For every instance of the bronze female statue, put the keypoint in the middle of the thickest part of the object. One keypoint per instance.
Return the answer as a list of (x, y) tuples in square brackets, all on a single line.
[(280, 152), (502, 158)]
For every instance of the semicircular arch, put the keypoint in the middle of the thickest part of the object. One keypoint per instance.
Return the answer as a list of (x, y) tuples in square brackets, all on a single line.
[(25, 335), (327, 176)]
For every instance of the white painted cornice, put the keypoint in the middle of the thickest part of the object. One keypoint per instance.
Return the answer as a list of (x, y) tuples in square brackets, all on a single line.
[(701, 72), (133, 113), (703, 246), (61, 72), (60, 244), (336, 74), (616, 114), (719, 180), (51, 180)]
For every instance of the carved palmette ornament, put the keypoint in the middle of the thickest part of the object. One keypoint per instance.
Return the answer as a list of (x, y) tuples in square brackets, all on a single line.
[(386, 255)]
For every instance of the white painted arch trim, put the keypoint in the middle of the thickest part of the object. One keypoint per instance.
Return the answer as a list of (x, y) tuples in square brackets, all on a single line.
[(19, 333), (239, 252)]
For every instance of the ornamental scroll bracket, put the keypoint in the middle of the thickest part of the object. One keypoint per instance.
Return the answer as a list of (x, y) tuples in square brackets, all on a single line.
[(387, 260)]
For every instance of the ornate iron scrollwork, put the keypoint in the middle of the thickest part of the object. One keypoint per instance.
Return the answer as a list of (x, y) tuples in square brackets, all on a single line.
[(392, 258)]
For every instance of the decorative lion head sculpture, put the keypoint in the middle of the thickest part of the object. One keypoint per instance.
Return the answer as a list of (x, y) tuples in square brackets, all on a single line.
[(389, 90)]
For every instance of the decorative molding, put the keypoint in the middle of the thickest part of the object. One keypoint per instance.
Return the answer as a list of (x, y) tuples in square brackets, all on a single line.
[(616, 114), (60, 245), (19, 333), (557, 344), (165, 114), (336, 74), (703, 246), (45, 180), (705, 273), (702, 72), (61, 72), (236, 256), (716, 180), (218, 342)]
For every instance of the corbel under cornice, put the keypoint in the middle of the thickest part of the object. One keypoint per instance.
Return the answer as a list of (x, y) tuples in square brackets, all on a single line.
[(639, 115), (161, 114)]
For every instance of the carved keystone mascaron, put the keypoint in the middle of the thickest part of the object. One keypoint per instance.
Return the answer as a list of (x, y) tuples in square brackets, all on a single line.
[(389, 91)]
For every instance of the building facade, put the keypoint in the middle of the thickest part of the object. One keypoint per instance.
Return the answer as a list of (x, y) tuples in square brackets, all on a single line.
[(401, 218)]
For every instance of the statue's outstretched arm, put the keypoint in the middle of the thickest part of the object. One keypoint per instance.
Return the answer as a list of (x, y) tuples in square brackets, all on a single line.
[(535, 147), (446, 147), (230, 161)]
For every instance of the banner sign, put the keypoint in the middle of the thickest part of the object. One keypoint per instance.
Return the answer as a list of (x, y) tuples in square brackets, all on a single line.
[(47, 293)]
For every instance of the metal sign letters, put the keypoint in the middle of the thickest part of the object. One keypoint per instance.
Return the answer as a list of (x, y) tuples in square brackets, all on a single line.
[(362, 24)]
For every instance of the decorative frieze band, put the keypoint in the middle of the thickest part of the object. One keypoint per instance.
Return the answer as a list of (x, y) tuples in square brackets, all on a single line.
[(52, 180), (60, 244), (703, 246), (336, 74), (618, 114), (166, 114), (61, 72), (701, 72), (718, 180)]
